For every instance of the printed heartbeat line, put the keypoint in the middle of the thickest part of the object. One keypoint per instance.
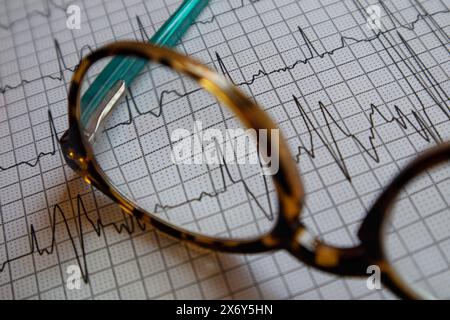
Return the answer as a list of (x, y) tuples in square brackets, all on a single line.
[(62, 67), (313, 53), (35, 162), (59, 55), (49, 5), (423, 126), (129, 225), (345, 41), (224, 173), (98, 226), (416, 4), (214, 17), (400, 118)]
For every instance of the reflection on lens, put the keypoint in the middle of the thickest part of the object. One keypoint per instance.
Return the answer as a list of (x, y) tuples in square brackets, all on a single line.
[(174, 151), (417, 236)]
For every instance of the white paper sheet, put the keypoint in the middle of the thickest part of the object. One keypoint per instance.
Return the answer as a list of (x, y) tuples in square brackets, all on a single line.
[(322, 52)]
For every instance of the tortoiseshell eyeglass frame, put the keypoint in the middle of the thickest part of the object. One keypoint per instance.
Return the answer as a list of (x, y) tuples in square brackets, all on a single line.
[(288, 233)]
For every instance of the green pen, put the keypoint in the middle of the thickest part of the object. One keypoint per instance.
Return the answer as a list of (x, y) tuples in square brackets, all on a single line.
[(110, 85)]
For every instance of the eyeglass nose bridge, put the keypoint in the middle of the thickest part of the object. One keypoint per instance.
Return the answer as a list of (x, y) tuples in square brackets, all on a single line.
[(352, 261)]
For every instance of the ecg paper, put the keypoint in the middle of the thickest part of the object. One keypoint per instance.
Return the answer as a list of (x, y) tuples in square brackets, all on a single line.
[(336, 88)]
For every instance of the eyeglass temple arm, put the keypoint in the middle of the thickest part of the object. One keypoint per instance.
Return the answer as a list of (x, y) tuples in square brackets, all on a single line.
[(111, 84)]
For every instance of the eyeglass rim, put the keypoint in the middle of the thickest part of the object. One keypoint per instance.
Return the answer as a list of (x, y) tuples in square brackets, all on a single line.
[(287, 181), (372, 228)]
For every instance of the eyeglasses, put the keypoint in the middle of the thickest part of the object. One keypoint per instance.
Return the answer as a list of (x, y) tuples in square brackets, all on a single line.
[(125, 149)]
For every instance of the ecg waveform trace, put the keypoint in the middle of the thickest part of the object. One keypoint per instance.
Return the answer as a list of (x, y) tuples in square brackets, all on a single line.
[(313, 54), (416, 119), (128, 225)]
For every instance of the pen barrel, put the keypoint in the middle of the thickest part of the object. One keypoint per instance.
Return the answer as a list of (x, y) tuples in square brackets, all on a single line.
[(173, 29), (126, 69)]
